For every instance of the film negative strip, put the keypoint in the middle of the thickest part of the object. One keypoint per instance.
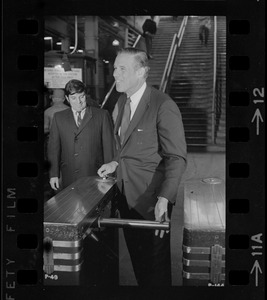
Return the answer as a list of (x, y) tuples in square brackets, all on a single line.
[(23, 164)]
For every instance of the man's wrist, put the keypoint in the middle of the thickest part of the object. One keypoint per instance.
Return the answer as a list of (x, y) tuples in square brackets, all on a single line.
[(115, 163), (162, 198)]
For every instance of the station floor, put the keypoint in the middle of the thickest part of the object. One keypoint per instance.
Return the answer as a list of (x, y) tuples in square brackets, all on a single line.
[(200, 165)]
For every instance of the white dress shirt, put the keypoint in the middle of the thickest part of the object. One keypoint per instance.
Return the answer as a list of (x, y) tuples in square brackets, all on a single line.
[(135, 99), (75, 114)]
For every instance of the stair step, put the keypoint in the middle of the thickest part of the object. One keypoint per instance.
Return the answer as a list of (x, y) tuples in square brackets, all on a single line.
[(195, 123), (196, 141), (195, 133)]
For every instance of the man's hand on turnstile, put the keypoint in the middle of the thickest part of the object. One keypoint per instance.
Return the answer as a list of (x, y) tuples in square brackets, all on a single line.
[(108, 168), (54, 183), (161, 213)]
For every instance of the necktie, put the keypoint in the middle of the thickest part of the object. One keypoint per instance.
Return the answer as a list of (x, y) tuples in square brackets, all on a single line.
[(79, 118), (125, 119)]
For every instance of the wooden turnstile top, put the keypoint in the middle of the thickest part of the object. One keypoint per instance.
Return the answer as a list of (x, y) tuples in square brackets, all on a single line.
[(77, 201), (81, 206), (204, 204)]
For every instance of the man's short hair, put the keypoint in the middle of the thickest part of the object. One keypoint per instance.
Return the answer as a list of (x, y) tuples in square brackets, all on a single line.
[(74, 86), (140, 56), (58, 94)]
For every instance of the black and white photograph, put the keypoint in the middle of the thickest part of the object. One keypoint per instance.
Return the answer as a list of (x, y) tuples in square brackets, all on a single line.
[(145, 205)]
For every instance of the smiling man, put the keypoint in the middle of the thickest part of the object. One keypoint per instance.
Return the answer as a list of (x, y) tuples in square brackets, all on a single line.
[(150, 162), (81, 139)]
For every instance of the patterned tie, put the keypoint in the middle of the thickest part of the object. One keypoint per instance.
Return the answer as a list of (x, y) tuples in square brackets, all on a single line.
[(79, 118), (125, 119)]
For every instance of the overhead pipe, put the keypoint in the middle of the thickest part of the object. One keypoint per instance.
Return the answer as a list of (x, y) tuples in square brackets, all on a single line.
[(76, 36)]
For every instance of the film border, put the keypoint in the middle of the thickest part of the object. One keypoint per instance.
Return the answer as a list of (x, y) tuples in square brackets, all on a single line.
[(16, 187)]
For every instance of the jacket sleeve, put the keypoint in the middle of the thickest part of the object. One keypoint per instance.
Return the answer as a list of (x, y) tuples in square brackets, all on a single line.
[(144, 27), (54, 149), (108, 141), (172, 148)]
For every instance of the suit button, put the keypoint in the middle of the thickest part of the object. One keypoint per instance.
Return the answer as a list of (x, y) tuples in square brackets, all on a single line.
[(76, 154)]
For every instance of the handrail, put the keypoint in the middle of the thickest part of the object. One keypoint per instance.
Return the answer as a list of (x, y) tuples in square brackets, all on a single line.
[(113, 85), (170, 67), (214, 81), (176, 42), (167, 62)]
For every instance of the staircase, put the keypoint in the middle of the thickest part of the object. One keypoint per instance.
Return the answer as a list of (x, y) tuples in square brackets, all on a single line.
[(161, 44), (191, 87)]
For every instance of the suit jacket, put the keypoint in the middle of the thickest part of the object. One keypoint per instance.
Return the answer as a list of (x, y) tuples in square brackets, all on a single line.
[(152, 157), (150, 26), (78, 152)]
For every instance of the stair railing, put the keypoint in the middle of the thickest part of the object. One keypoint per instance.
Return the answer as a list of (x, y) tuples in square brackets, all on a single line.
[(131, 36), (176, 42), (113, 85), (213, 110)]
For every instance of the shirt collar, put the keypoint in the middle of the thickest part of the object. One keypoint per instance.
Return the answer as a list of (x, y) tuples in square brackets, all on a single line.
[(137, 95), (75, 112)]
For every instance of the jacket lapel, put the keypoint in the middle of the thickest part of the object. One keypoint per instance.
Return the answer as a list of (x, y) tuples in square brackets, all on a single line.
[(87, 116), (121, 103), (140, 110), (71, 120)]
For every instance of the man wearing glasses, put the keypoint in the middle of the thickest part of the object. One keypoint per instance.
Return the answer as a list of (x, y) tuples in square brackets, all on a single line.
[(80, 140)]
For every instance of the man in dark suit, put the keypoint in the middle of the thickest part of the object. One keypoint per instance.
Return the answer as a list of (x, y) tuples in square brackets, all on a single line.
[(150, 161), (149, 30), (81, 138), (204, 29)]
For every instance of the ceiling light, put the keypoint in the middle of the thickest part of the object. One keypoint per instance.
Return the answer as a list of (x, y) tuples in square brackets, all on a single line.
[(115, 43), (48, 38)]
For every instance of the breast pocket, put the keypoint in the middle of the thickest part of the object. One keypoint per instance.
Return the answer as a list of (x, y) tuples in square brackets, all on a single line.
[(145, 137)]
